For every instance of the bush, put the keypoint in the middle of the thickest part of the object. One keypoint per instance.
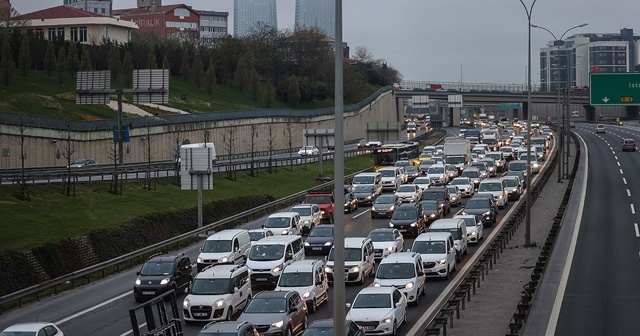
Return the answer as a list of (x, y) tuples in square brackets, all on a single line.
[(60, 258), (17, 272)]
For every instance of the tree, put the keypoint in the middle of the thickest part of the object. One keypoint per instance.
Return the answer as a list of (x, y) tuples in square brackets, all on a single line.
[(289, 134), (49, 59), (363, 55), (151, 59), (252, 146), (8, 19), (210, 78), (255, 85), (85, 63), (184, 69), (25, 56), (7, 65), (72, 59), (268, 95), (23, 155), (127, 68), (114, 61), (150, 182), (165, 64), (271, 142), (197, 71), (61, 66), (293, 93), (242, 74), (68, 150), (229, 140)]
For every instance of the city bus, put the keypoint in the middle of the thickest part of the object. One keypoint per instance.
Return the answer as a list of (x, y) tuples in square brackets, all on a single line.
[(388, 154)]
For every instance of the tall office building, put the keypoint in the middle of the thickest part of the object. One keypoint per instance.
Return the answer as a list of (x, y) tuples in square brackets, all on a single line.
[(248, 13), (569, 62), (104, 7), (319, 14)]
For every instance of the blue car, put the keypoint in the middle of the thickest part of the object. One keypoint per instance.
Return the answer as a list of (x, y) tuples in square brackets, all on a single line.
[(319, 240)]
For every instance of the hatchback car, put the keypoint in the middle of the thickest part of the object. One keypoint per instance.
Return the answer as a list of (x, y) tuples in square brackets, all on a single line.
[(308, 150), (473, 174), (379, 310), (475, 228), (229, 328), (83, 163), (350, 202), (365, 193), (455, 195), (276, 313), (163, 273), (319, 240), (440, 194), (411, 193), (384, 206), (465, 185), (484, 208), (514, 187), (33, 329), (628, 145), (409, 219), (432, 210), (386, 241)]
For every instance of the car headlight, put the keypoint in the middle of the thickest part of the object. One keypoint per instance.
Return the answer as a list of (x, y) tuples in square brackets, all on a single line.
[(442, 261), (392, 208), (276, 269), (199, 260), (409, 285), (354, 269), (224, 259), (453, 198), (464, 213), (165, 281), (391, 225), (306, 295), (219, 303), (456, 245), (373, 208), (515, 189), (322, 212), (138, 282), (390, 248), (346, 204), (486, 213), (368, 197), (278, 324), (328, 269), (306, 221), (285, 232), (500, 197), (376, 284), (432, 215), (472, 233), (186, 303), (328, 243), (307, 244), (414, 224), (387, 320)]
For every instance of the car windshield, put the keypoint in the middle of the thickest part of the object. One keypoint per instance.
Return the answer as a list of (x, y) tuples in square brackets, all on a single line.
[(277, 222), (433, 195), (296, 279), (454, 232), (516, 166), (387, 173), (506, 149), (302, 211), (481, 166), (350, 254), (452, 189), (385, 199), (256, 235), (211, 286), (421, 180), (157, 268), (216, 246), (366, 301), (266, 306), (478, 150), (489, 163), (469, 221), (454, 159), (363, 189), (497, 186), (266, 252), (436, 170), (80, 161), (477, 204), (381, 236), (511, 182), (460, 181), (429, 247), (362, 180), (396, 271), (406, 188), (321, 231), (430, 205), (317, 199), (405, 214), (470, 173)]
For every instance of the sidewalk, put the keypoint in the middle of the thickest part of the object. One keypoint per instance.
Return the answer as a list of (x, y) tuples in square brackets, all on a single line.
[(491, 309)]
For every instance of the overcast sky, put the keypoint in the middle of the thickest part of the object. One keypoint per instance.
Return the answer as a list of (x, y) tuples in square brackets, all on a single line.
[(482, 41)]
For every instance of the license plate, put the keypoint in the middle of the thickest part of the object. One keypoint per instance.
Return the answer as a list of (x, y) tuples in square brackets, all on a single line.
[(403, 230), (148, 293), (261, 279), (316, 248), (368, 328), (377, 254), (199, 314)]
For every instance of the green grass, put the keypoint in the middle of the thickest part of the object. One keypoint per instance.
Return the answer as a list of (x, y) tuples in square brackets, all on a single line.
[(51, 217)]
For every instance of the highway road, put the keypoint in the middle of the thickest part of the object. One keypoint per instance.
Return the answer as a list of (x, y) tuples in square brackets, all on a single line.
[(602, 293), (101, 308)]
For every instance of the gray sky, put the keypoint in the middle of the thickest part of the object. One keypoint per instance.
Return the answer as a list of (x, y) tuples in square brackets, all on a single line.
[(484, 41)]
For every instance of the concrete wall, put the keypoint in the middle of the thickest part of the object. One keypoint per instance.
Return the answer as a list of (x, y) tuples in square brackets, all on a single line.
[(47, 147)]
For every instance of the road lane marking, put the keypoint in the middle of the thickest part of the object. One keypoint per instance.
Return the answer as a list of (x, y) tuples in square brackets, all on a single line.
[(637, 231), (624, 180), (360, 214), (628, 192), (618, 164), (616, 157), (130, 332), (69, 318), (633, 210), (621, 172)]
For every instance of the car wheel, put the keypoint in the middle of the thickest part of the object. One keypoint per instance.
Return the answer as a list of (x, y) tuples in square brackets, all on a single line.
[(305, 322), (288, 332), (188, 287), (229, 313), (423, 293), (314, 306), (331, 219), (395, 329), (417, 301), (449, 270)]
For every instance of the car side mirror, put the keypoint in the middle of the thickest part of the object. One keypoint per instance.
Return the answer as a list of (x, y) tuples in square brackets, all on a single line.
[(348, 304), (201, 249), (137, 273), (293, 309), (289, 256), (236, 289), (420, 273)]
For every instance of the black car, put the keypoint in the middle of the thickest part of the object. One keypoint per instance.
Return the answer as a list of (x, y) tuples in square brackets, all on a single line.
[(350, 202), (385, 205), (325, 328), (432, 210), (409, 219), (482, 207), (163, 273), (228, 328), (365, 193), (412, 172), (440, 194)]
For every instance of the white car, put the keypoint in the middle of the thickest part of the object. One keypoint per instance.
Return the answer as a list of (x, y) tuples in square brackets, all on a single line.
[(257, 234), (475, 228), (308, 150), (409, 193), (404, 271), (438, 253), (308, 278), (379, 310), (310, 216), (35, 328), (465, 184), (422, 182), (455, 195), (386, 241)]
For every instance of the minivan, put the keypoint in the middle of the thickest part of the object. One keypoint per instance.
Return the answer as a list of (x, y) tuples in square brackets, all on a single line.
[(224, 247), (359, 260), (284, 223), (438, 253), (391, 178), (309, 279), (458, 230), (270, 255), (403, 270), (373, 179)]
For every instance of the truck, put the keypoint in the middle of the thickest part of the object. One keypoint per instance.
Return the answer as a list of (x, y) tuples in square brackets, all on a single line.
[(457, 152), (491, 139), (325, 200), (472, 135)]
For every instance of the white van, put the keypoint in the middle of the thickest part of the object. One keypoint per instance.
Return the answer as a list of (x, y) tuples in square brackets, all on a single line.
[(458, 230), (270, 255), (283, 223), (403, 270), (358, 260), (372, 179), (438, 253), (309, 279), (391, 178), (224, 247), (218, 292)]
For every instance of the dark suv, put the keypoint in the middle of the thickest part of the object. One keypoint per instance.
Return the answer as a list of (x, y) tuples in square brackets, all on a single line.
[(409, 219), (482, 207), (440, 194), (162, 273), (228, 328)]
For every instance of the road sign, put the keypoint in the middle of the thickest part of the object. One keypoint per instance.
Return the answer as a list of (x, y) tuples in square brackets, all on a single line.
[(615, 88), (511, 106)]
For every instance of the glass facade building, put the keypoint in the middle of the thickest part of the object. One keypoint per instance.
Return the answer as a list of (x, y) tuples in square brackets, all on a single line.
[(316, 14), (248, 13), (104, 7)]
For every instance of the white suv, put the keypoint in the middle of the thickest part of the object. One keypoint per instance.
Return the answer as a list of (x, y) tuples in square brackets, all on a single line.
[(498, 188), (438, 253), (358, 260), (309, 279), (218, 292), (379, 310), (403, 270)]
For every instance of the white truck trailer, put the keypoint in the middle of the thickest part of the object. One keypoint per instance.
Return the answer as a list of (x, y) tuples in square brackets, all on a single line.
[(457, 151)]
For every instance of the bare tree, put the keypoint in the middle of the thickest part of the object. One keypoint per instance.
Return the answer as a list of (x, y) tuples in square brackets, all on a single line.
[(9, 20), (67, 153), (23, 155), (150, 182), (271, 141), (363, 55), (252, 145), (229, 139), (289, 134), (116, 184), (176, 154)]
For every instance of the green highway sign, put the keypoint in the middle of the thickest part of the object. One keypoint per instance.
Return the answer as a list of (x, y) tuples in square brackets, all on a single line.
[(615, 88), (510, 105)]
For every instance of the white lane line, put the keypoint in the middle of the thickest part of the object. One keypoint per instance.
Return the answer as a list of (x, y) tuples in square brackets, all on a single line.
[(633, 210), (130, 332), (360, 214), (635, 225), (618, 164), (628, 192), (69, 318), (621, 172), (624, 180), (616, 157)]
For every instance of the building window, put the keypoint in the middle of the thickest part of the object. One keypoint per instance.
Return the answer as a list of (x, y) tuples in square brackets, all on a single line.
[(39, 32), (82, 32), (73, 34), (104, 11), (181, 12), (51, 34), (60, 33)]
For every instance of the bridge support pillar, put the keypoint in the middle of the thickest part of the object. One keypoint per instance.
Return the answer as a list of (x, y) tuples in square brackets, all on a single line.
[(631, 112), (525, 111), (455, 115), (590, 112)]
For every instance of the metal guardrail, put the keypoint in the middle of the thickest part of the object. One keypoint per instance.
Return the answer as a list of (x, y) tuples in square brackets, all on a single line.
[(100, 268)]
